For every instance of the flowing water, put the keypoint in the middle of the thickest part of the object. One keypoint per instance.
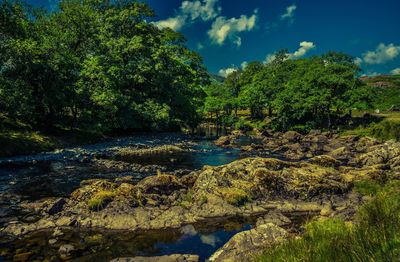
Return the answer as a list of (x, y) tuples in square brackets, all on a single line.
[(57, 174)]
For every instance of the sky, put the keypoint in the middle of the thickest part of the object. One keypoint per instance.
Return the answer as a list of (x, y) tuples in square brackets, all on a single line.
[(230, 33)]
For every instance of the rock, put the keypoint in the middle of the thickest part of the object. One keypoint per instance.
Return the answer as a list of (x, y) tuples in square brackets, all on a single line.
[(168, 258), (275, 217), (325, 161), (66, 251), (247, 244), (57, 206), (223, 141), (160, 184), (341, 154), (291, 136), (22, 256)]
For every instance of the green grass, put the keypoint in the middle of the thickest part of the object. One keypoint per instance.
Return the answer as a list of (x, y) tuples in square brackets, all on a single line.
[(100, 200), (387, 129), (374, 235)]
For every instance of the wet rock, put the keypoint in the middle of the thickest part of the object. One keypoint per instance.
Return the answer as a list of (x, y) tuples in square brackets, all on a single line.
[(223, 141), (22, 256), (247, 244), (168, 258), (57, 206), (275, 217)]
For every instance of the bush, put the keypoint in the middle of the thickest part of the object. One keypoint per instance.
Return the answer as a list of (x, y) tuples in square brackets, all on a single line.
[(374, 236), (386, 130)]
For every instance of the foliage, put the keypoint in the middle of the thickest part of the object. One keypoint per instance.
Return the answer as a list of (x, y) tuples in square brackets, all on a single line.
[(374, 236), (235, 196), (303, 94), (99, 65)]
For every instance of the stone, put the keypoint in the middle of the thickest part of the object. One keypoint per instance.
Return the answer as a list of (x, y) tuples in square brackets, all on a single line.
[(57, 206), (20, 257), (66, 251), (167, 258), (223, 141), (244, 245)]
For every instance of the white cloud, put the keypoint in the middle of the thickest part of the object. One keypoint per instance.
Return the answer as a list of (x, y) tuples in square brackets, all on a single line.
[(191, 10), (205, 10), (175, 23), (395, 71), (358, 61), (289, 12), (382, 54), (304, 48), (209, 240), (270, 58), (244, 65), (224, 28), (227, 71)]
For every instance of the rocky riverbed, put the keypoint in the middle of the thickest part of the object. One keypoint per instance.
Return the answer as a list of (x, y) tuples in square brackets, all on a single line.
[(274, 181)]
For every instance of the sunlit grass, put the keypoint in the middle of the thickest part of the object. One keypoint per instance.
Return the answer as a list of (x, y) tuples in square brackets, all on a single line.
[(374, 235)]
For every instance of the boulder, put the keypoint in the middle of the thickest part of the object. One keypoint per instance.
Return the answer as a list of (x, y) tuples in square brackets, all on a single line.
[(223, 141), (247, 244), (168, 258), (162, 184)]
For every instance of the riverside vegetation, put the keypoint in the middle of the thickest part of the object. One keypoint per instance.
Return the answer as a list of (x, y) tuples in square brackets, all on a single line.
[(308, 140)]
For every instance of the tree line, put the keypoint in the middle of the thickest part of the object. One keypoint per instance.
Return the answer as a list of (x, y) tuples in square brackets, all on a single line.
[(102, 65), (301, 94), (96, 64)]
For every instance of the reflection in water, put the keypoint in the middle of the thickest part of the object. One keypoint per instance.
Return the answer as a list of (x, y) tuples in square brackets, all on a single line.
[(203, 239)]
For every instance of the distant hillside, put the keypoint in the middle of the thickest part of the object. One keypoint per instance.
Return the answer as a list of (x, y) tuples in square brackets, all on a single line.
[(386, 91)]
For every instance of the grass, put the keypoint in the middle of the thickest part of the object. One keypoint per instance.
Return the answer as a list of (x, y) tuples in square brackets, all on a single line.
[(100, 200), (18, 138), (374, 235), (234, 196)]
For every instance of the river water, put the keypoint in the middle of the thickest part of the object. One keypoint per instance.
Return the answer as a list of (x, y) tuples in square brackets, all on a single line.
[(58, 173)]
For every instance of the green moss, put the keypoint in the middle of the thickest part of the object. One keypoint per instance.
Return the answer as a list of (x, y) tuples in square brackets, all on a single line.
[(100, 200), (375, 235), (235, 196)]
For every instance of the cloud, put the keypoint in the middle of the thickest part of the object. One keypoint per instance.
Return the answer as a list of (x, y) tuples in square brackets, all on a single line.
[(304, 48), (395, 71), (227, 71), (209, 240), (191, 11), (269, 58), (205, 10), (175, 23), (358, 61), (289, 12), (223, 28), (382, 54)]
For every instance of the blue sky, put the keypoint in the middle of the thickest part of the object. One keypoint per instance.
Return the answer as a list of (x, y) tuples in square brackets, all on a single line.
[(228, 33)]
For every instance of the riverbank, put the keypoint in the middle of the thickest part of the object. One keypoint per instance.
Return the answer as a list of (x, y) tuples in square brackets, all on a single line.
[(129, 191)]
